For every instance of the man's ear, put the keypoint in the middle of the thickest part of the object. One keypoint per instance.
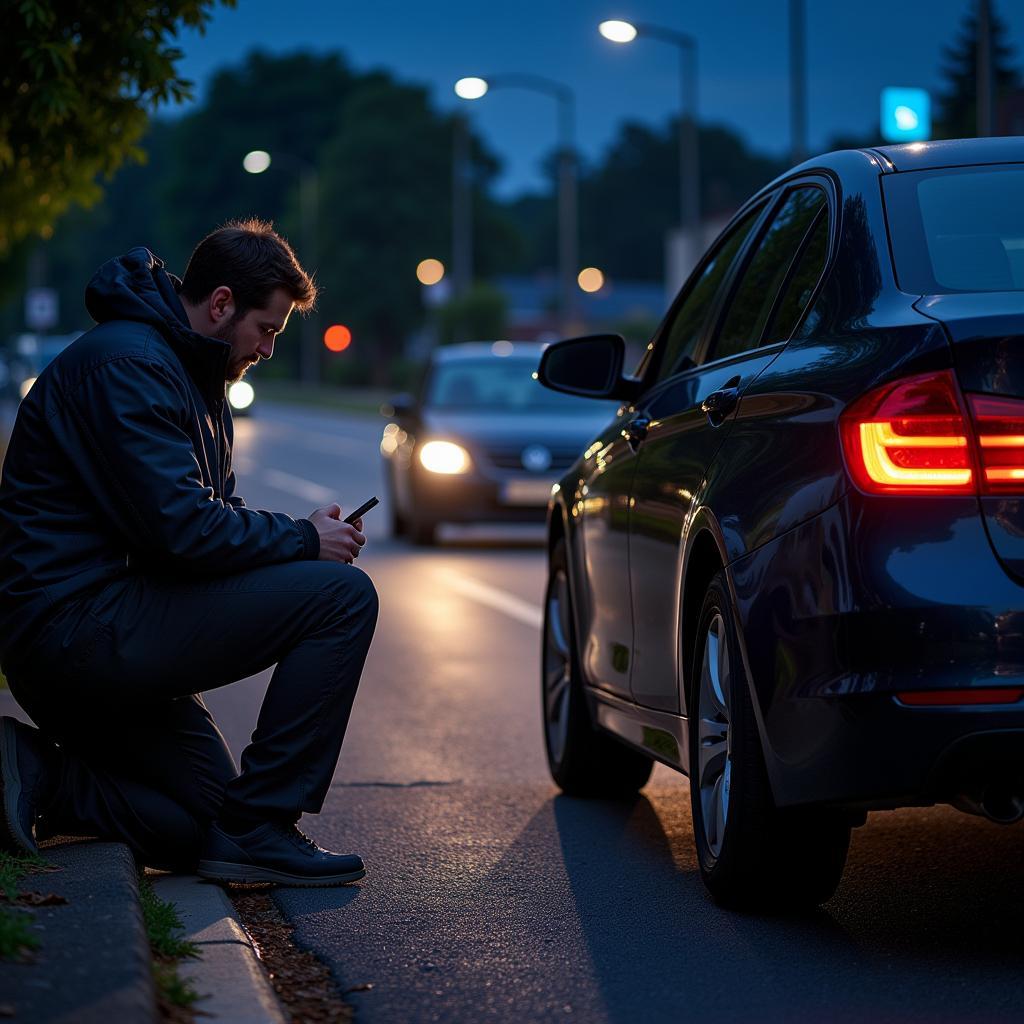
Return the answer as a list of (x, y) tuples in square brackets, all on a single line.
[(221, 305)]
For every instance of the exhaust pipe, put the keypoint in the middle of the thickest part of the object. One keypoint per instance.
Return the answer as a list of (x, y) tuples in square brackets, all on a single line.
[(1000, 802)]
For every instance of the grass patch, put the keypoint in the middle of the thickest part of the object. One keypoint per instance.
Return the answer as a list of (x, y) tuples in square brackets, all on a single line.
[(162, 927), (14, 869), (16, 935)]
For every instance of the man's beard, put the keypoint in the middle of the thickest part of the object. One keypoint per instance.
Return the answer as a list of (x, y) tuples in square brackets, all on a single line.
[(227, 333)]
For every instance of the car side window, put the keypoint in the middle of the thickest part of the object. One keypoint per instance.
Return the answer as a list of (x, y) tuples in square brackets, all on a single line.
[(682, 334), (752, 299), (803, 277)]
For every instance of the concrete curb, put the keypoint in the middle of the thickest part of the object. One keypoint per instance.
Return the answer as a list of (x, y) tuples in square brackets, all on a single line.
[(93, 965), (230, 978)]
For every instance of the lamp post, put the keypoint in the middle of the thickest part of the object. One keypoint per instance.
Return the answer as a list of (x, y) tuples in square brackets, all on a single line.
[(256, 162), (689, 145), (568, 213)]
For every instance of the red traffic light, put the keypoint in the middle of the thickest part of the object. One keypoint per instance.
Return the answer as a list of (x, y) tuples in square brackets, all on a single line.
[(337, 337)]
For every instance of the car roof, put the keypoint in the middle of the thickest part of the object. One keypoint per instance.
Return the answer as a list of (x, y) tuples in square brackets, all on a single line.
[(487, 350), (920, 156)]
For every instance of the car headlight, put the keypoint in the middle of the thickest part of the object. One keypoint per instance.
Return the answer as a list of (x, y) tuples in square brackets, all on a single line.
[(241, 394), (26, 386), (444, 457)]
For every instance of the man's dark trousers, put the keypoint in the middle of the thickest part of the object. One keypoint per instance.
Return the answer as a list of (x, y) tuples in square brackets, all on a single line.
[(115, 680)]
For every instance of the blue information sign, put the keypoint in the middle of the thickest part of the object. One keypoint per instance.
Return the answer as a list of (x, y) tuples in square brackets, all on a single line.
[(906, 115)]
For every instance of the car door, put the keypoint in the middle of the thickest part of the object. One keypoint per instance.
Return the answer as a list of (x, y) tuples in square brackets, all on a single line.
[(687, 418), (602, 508)]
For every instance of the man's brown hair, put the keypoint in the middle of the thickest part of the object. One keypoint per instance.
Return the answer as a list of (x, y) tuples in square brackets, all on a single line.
[(252, 259)]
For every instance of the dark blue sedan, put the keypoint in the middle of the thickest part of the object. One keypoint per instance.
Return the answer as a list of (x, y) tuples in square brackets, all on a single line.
[(792, 566)]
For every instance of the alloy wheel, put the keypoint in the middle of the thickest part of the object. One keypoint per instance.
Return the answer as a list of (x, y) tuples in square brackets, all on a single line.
[(714, 755), (557, 665)]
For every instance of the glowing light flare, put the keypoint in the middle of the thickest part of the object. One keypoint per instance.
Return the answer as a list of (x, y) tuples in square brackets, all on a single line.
[(590, 279), (256, 161), (471, 88), (444, 457), (241, 394), (502, 349), (337, 337), (26, 386), (429, 271), (618, 31)]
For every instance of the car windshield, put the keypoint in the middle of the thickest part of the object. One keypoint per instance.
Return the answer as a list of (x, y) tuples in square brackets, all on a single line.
[(504, 383), (958, 229)]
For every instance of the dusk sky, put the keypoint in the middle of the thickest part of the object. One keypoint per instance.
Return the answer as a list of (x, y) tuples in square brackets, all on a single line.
[(854, 49)]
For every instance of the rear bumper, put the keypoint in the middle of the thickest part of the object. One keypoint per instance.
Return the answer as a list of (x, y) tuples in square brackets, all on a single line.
[(872, 598), (873, 752)]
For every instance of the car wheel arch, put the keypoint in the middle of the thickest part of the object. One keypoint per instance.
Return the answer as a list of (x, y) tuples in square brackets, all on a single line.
[(703, 558)]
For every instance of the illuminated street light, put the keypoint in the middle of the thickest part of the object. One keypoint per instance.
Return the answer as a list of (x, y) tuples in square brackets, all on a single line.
[(429, 272), (568, 211), (471, 88), (689, 154), (618, 31), (590, 279), (257, 161)]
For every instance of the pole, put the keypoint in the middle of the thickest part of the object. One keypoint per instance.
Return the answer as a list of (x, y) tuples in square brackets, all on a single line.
[(309, 202), (568, 216), (689, 144), (984, 70), (462, 208), (797, 81)]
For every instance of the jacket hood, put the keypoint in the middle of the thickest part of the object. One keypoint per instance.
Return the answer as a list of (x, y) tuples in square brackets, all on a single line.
[(136, 287)]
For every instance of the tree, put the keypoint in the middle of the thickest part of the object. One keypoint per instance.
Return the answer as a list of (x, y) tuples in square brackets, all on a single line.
[(386, 201), (77, 80), (957, 114)]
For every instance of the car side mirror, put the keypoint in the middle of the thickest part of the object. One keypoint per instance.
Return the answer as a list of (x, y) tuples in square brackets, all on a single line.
[(590, 367), (399, 406)]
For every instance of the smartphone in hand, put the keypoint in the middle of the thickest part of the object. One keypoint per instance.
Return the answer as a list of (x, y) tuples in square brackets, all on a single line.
[(359, 512)]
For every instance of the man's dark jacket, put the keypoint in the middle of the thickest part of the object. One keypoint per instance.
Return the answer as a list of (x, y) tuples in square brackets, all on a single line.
[(120, 461)]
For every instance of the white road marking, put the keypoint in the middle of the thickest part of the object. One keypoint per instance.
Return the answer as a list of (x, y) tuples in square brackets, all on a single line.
[(305, 489), (500, 600)]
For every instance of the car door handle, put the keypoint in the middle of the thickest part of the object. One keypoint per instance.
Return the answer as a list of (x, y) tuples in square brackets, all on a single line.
[(719, 404), (635, 431)]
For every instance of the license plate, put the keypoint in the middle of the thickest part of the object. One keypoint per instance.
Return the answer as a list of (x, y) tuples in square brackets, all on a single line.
[(526, 492)]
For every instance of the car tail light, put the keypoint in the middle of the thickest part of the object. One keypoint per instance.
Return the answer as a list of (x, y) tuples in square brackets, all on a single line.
[(999, 425), (910, 437)]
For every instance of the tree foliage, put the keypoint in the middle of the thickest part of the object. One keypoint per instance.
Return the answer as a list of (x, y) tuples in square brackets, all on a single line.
[(77, 79), (957, 114)]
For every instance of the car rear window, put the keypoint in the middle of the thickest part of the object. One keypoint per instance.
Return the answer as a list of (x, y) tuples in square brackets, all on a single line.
[(957, 229), (498, 383)]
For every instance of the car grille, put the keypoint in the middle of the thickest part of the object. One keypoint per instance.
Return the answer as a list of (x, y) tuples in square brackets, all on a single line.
[(510, 457)]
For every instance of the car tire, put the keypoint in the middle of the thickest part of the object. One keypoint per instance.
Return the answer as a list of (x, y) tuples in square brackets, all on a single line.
[(584, 760), (752, 855)]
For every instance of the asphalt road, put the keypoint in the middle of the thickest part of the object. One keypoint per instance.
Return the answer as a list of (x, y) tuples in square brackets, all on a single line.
[(490, 897)]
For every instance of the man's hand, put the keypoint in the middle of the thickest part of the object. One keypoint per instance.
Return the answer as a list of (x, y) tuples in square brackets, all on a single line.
[(339, 542)]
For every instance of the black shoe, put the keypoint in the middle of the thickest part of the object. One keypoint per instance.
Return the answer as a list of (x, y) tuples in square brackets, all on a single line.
[(274, 852), (22, 778)]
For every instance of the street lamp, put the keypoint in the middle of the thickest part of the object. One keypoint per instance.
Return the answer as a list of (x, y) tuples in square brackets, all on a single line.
[(689, 153), (256, 162), (568, 214)]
